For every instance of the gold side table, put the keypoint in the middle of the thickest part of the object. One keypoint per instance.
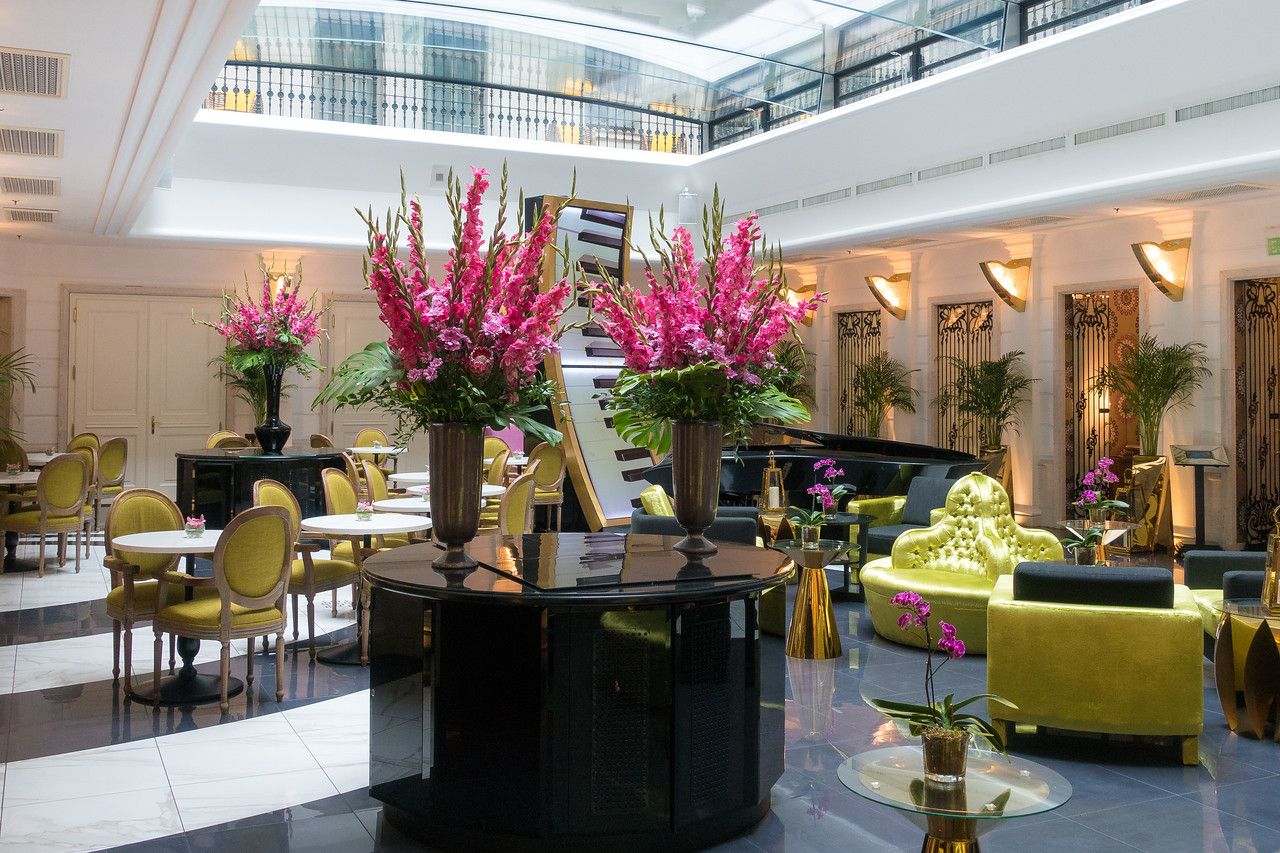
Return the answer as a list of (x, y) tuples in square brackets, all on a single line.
[(1259, 677), (813, 634)]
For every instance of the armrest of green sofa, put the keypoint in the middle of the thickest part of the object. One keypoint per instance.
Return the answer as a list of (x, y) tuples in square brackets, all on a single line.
[(935, 515), (886, 510)]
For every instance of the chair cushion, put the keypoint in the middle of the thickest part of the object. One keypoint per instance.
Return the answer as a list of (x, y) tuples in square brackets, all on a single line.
[(342, 550), (880, 539), (1238, 584), (923, 495), (1209, 601), (144, 597), (654, 500), (325, 572), (29, 520), (1109, 586), (548, 495), (1204, 569), (202, 613)]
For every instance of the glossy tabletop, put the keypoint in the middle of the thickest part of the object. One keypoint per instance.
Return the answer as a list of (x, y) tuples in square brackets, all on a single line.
[(827, 552), (586, 569), (22, 478), (290, 454), (378, 524), (993, 788), (517, 461), (167, 542), (377, 451), (410, 478), (39, 460), (486, 490), (412, 506)]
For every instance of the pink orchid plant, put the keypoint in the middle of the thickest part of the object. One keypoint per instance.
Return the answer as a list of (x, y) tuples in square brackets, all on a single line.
[(270, 327), (826, 495), (1096, 486), (935, 713), (465, 347), (699, 338)]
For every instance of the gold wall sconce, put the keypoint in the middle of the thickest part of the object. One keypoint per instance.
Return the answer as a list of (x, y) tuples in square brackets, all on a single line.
[(891, 292), (798, 294), (1010, 280), (1165, 264), (278, 272)]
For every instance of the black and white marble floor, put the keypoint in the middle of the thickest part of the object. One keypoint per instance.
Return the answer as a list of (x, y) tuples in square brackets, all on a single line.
[(86, 769)]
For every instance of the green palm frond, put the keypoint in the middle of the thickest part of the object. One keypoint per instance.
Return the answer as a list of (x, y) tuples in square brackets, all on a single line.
[(880, 384), (990, 392), (1153, 378), (16, 371)]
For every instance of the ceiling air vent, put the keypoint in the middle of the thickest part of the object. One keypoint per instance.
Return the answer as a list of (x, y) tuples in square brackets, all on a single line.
[(949, 169), (31, 142), (1120, 129), (27, 72), (20, 214), (883, 184), (902, 243), (1222, 105), (1026, 222), (21, 185), (736, 217), (1207, 193), (1055, 144), (826, 198), (781, 207)]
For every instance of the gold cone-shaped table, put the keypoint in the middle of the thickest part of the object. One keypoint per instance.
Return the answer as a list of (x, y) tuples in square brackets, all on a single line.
[(813, 633)]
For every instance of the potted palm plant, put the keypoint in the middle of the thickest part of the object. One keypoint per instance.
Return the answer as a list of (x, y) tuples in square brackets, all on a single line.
[(882, 383), (1153, 379), (15, 372), (990, 393)]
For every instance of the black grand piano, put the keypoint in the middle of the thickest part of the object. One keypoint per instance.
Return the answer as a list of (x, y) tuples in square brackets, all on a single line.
[(873, 467)]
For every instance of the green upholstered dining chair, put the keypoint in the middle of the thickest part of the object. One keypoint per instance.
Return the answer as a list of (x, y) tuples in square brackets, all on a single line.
[(112, 460), (493, 445), (91, 498), (214, 437), (252, 565), (549, 490), (319, 441), (135, 575), (376, 489), (495, 475), (513, 516), (84, 439), (369, 436), (309, 574), (61, 492), (954, 563)]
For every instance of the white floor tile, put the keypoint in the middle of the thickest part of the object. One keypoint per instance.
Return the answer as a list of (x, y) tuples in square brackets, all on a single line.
[(235, 757), (90, 823), (340, 713), (253, 792), (134, 766)]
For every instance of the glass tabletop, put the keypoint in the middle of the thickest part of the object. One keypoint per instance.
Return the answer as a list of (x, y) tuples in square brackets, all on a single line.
[(827, 552), (994, 787), (1111, 530), (1250, 608), (843, 519)]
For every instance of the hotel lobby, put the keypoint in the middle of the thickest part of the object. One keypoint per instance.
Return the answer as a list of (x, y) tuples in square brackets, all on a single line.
[(752, 425)]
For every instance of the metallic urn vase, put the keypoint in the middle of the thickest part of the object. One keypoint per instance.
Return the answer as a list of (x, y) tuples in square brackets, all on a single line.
[(272, 433), (695, 477), (456, 456)]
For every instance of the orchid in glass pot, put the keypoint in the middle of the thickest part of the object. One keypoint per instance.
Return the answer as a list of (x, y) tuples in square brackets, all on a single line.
[(699, 341), (269, 332), (464, 351), (1095, 488), (942, 724)]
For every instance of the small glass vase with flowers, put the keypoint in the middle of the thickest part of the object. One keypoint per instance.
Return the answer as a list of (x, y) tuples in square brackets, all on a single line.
[(194, 526)]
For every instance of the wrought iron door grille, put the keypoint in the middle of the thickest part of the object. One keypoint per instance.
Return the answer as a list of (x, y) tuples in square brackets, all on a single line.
[(1257, 372), (963, 331), (857, 339)]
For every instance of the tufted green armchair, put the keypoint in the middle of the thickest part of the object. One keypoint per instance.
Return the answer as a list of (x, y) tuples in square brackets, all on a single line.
[(955, 562)]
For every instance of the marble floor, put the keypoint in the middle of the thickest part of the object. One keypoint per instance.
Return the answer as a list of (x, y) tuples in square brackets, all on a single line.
[(84, 768)]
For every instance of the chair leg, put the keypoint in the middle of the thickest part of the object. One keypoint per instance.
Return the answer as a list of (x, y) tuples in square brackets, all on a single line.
[(248, 676), (173, 652), (1191, 751), (115, 650), (280, 666), (86, 539), (295, 618), (62, 549), (40, 562), (311, 625), (365, 593), (128, 655), (224, 672), (335, 602), (155, 672)]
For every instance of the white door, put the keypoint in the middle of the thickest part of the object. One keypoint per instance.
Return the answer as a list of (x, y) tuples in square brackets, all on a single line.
[(354, 324), (140, 369)]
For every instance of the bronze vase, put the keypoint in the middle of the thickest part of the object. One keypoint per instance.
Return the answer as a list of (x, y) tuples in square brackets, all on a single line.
[(946, 754), (455, 454), (695, 477)]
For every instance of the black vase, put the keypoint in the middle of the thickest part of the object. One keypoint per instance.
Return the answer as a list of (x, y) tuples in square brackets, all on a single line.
[(273, 432)]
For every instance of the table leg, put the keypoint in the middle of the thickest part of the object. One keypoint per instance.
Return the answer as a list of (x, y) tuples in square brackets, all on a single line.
[(348, 653), (813, 634), (188, 686)]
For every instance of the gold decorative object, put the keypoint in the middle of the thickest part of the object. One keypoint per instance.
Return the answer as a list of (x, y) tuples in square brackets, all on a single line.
[(1261, 671), (1011, 280), (1271, 574), (892, 292), (1165, 264), (773, 497), (813, 634)]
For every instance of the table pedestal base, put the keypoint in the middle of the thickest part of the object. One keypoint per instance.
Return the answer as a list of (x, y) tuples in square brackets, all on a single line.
[(813, 634), (949, 845), (340, 654), (188, 686), (13, 565)]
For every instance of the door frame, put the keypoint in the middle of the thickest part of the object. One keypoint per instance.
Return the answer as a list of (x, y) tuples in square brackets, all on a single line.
[(66, 292), (929, 370), (18, 319)]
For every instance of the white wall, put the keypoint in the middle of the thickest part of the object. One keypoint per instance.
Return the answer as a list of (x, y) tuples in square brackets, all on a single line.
[(1229, 242)]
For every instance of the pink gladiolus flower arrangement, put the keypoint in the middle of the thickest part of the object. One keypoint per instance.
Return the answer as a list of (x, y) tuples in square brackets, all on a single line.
[(699, 338), (270, 327), (936, 713), (465, 347)]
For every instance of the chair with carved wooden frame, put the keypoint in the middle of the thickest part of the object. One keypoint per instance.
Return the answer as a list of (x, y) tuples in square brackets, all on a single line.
[(319, 441), (514, 513), (61, 493), (369, 436), (212, 441), (252, 564), (340, 499), (91, 498), (549, 490), (112, 460)]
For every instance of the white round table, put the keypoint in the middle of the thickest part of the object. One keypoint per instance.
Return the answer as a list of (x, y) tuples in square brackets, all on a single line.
[(410, 478), (377, 451), (349, 526), (39, 460), (486, 490), (412, 506), (22, 478), (187, 687)]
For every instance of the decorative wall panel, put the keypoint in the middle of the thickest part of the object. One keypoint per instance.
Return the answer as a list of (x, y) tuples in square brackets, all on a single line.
[(857, 339), (963, 331), (1098, 326), (1257, 372)]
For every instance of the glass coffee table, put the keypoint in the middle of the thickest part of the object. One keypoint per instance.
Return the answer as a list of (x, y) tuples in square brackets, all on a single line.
[(953, 816), (1248, 628)]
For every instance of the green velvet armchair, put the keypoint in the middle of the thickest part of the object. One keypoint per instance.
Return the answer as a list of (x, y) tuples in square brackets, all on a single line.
[(955, 562)]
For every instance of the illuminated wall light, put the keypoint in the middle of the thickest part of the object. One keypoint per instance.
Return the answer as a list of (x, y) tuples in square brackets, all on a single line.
[(1165, 264), (1010, 280), (891, 292), (796, 295)]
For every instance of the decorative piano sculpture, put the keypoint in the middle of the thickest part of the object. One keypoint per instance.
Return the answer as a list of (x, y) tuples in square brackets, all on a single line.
[(873, 467)]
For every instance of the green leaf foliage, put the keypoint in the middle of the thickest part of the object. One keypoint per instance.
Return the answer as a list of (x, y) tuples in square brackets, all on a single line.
[(881, 383), (1151, 378), (990, 393)]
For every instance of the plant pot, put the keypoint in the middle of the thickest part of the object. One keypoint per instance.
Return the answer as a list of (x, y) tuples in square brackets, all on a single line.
[(946, 755), (1271, 575), (809, 536), (1085, 556), (455, 454), (272, 433), (695, 478)]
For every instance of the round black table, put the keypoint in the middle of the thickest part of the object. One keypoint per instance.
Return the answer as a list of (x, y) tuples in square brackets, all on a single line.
[(574, 692), (219, 483)]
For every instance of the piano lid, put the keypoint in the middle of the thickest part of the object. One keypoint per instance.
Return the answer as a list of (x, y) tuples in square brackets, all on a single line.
[(881, 447)]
